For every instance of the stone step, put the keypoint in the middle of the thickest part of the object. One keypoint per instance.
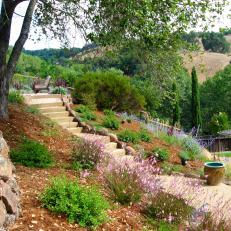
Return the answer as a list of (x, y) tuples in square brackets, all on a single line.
[(42, 96), (93, 137), (47, 105), (119, 152), (110, 147), (56, 114), (52, 109), (63, 119), (68, 125), (75, 130)]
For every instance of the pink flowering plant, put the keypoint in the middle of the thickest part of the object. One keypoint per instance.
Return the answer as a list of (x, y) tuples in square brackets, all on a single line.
[(127, 179), (168, 207), (86, 154)]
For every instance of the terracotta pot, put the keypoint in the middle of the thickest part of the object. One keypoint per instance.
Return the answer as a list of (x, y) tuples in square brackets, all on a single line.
[(214, 172)]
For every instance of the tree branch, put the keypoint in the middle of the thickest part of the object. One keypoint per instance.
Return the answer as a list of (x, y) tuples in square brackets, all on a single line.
[(22, 38)]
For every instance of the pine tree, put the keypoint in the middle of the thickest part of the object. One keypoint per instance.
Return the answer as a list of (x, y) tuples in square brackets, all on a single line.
[(176, 106), (196, 111)]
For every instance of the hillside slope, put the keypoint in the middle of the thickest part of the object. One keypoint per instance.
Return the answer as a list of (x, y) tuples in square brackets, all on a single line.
[(206, 63)]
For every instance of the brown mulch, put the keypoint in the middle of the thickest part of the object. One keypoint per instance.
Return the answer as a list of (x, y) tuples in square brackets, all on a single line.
[(32, 181)]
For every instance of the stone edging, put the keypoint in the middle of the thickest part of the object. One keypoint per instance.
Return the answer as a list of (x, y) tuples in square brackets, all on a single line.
[(10, 208), (91, 130)]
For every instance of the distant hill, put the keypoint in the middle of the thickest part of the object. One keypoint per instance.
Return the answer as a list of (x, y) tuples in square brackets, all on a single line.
[(206, 63)]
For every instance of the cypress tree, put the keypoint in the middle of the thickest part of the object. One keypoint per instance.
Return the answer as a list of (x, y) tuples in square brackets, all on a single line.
[(196, 111), (176, 105)]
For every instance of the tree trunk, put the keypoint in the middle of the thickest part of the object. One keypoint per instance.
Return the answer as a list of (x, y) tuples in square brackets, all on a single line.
[(4, 92), (5, 27), (7, 69)]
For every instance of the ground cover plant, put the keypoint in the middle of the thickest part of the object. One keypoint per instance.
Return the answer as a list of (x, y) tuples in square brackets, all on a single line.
[(81, 204), (86, 154), (32, 154)]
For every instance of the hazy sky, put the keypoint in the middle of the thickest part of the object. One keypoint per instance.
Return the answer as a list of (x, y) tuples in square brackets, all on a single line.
[(78, 41)]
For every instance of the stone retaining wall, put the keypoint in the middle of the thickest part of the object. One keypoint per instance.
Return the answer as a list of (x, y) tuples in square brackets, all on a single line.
[(9, 191)]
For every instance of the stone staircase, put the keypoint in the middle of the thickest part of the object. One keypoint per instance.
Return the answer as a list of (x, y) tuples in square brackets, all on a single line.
[(52, 107)]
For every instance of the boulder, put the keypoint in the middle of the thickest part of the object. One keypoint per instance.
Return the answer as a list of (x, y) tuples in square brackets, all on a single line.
[(103, 132), (130, 151), (113, 137), (9, 191), (207, 154)]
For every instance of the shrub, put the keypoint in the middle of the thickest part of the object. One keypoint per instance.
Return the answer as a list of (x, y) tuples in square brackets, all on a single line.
[(161, 153), (86, 113), (86, 153), (129, 120), (111, 121), (15, 97), (32, 154), (108, 112), (184, 155), (86, 206), (123, 184), (191, 146), (164, 206), (168, 168), (144, 135), (110, 90), (219, 122), (129, 136), (59, 90)]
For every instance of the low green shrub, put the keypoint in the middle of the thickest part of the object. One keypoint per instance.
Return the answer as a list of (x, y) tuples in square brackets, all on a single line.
[(32, 154), (168, 168), (59, 90), (111, 121), (84, 205), (108, 112), (123, 185), (32, 110), (129, 120), (167, 207), (145, 135), (162, 154), (185, 155), (86, 113), (15, 97), (86, 154), (129, 136)]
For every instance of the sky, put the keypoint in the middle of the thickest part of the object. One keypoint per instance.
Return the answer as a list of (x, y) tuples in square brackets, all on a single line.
[(78, 40)]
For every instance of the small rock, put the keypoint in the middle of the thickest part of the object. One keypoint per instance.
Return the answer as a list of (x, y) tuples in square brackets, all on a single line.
[(130, 151), (103, 132), (113, 137)]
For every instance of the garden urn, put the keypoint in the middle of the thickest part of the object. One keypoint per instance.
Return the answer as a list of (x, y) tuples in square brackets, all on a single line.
[(214, 172)]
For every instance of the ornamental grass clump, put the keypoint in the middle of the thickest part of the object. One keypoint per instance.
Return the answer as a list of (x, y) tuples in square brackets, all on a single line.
[(128, 179), (83, 205), (86, 154), (167, 207)]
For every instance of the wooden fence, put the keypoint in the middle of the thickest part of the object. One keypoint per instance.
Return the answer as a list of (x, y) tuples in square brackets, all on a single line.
[(217, 144)]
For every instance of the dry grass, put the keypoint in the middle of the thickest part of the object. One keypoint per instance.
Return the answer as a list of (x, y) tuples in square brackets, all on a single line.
[(206, 63)]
